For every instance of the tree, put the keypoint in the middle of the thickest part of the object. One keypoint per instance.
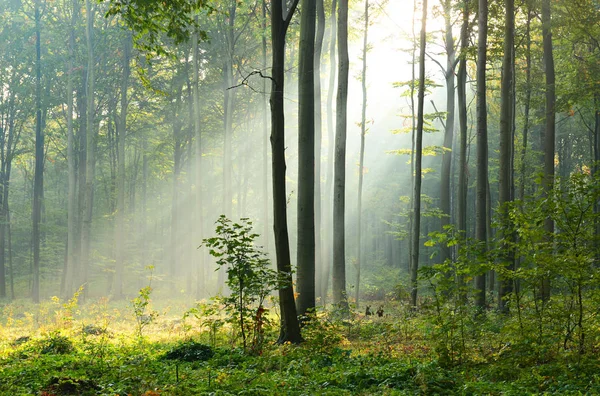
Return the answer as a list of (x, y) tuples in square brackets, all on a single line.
[(280, 21), (339, 185), (319, 259), (38, 185), (449, 72), (306, 160), (482, 147), (90, 148), (462, 116), (550, 125), (327, 255), (122, 132), (361, 161), (416, 207), (506, 151)]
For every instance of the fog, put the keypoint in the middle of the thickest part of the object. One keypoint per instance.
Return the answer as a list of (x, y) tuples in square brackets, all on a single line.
[(162, 231)]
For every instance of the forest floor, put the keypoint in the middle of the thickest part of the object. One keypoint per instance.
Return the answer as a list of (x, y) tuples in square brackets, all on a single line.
[(103, 348)]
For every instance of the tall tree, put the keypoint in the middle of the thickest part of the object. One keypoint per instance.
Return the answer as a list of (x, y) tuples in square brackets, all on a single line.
[(90, 146), (71, 200), (38, 185), (550, 125), (462, 117), (122, 132), (320, 34), (306, 159), (416, 222), (506, 149), (328, 201), (449, 73), (339, 185), (199, 217), (280, 21), (482, 147), (361, 161), (265, 139)]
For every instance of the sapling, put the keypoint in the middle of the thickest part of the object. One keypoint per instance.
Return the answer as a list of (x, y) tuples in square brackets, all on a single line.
[(249, 278)]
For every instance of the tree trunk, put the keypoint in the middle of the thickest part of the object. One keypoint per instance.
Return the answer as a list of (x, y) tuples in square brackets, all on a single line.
[(122, 128), (290, 328), (527, 101), (445, 176), (549, 140), (339, 186), (306, 159), (327, 254), (416, 223), (38, 184), (361, 161), (228, 112), (72, 197), (320, 34), (482, 149), (90, 155), (265, 136), (200, 286), (462, 116), (506, 148)]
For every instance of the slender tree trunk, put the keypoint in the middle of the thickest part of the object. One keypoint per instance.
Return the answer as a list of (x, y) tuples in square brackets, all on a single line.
[(527, 101), (445, 176), (339, 187), (265, 138), (199, 169), (462, 116), (482, 149), (90, 156), (176, 254), (416, 223), (506, 148), (549, 140), (72, 197), (306, 159), (361, 161), (320, 34), (228, 112), (290, 328), (38, 184), (122, 128), (327, 253)]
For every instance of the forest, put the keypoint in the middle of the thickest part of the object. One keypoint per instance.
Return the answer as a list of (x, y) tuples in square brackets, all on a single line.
[(299, 197)]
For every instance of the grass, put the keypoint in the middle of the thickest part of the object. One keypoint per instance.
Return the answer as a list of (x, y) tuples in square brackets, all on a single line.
[(58, 348)]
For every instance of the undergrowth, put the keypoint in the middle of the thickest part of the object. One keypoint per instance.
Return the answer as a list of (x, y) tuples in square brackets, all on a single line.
[(100, 353)]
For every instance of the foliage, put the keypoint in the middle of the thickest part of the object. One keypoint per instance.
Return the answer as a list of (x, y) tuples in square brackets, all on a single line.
[(249, 277), (143, 315), (190, 351)]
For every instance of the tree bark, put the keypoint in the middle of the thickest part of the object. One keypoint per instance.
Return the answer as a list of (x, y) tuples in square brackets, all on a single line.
[(506, 149), (361, 161), (328, 213), (319, 260), (72, 197), (38, 184), (416, 223), (550, 126), (462, 116), (306, 159), (90, 149), (290, 328), (445, 176), (482, 150), (339, 187), (200, 286), (122, 128)]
